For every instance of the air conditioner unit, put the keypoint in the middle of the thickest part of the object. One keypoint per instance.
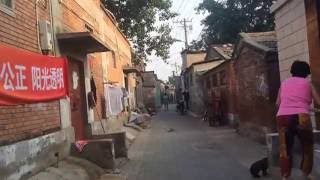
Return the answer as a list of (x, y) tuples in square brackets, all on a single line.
[(45, 32)]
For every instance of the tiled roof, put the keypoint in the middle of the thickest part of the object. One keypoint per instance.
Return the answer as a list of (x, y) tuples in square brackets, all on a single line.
[(224, 50), (264, 40)]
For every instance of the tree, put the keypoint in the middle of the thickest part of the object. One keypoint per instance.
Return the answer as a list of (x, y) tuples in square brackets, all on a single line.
[(228, 18), (137, 19)]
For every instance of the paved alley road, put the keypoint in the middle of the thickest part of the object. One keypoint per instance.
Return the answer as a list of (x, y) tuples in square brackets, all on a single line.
[(192, 151)]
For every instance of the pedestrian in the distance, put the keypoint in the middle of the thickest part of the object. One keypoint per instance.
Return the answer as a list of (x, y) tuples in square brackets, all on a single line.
[(293, 119), (186, 98), (166, 101)]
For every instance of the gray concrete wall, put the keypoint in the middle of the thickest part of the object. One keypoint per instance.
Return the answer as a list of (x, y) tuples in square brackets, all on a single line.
[(26, 158)]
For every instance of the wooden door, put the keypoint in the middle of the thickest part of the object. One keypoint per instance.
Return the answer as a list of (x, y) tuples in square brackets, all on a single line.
[(77, 98)]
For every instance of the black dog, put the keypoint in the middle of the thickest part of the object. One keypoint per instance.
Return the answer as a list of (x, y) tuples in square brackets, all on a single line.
[(261, 165)]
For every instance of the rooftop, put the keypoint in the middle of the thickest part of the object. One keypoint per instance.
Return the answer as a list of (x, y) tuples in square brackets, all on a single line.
[(224, 50), (263, 40)]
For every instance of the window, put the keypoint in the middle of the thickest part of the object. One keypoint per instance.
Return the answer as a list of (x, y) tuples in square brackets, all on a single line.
[(7, 6), (7, 3), (88, 28)]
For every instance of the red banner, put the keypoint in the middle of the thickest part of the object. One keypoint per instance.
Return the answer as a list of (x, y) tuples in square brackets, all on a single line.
[(27, 77)]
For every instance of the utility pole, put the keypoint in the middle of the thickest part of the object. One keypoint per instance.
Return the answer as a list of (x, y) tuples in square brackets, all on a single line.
[(185, 26), (185, 32)]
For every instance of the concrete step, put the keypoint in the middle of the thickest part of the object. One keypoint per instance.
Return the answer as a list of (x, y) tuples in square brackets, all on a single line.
[(119, 141), (100, 152)]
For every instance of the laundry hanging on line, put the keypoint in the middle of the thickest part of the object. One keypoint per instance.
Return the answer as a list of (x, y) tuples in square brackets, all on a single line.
[(113, 96)]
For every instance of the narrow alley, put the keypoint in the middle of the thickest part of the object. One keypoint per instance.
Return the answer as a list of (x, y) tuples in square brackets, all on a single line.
[(182, 147), (89, 89)]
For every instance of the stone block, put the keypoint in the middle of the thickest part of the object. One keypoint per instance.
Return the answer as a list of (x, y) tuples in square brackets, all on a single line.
[(119, 140), (99, 152)]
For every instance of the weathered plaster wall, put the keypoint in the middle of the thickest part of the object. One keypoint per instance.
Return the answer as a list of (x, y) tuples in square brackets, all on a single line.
[(26, 158)]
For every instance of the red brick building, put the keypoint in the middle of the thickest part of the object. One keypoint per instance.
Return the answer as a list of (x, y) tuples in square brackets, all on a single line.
[(257, 83), (19, 29), (85, 33), (219, 85)]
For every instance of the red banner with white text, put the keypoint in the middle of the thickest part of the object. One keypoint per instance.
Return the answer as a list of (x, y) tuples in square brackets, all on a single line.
[(27, 77)]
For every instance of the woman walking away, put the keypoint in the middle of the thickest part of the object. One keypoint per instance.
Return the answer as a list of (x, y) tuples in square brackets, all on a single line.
[(295, 98)]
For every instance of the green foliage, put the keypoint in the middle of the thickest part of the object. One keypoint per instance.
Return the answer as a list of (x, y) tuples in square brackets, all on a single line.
[(228, 18), (137, 19)]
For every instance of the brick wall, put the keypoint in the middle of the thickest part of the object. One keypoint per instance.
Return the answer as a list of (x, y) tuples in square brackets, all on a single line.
[(255, 105), (291, 29), (223, 90), (77, 14), (75, 19), (97, 73), (25, 121)]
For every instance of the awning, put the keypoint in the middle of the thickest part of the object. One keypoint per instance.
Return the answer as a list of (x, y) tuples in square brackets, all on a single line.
[(81, 42), (131, 69)]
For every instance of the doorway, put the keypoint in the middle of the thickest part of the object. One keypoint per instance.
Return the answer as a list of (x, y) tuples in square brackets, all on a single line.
[(77, 98)]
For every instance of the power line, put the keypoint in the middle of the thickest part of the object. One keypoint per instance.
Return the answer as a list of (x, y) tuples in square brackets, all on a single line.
[(185, 26), (198, 38)]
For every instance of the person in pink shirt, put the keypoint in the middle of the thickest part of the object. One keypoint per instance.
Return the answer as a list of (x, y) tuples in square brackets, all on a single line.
[(295, 97)]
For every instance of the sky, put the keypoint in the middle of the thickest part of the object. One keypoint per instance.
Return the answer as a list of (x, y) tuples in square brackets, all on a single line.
[(185, 9)]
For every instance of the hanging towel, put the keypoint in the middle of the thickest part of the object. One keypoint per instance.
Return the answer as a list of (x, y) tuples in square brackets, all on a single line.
[(113, 96)]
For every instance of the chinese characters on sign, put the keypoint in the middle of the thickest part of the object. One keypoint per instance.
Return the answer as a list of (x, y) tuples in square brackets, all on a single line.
[(27, 77), (44, 79)]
